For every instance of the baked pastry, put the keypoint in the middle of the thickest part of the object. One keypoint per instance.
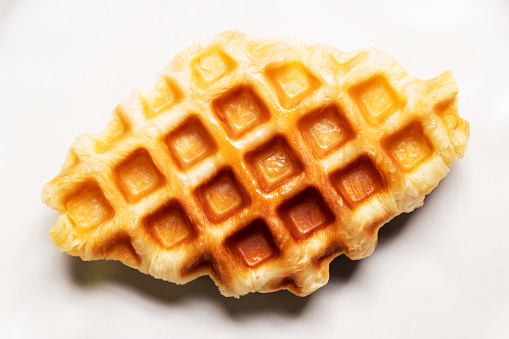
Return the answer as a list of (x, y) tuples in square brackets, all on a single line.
[(257, 161)]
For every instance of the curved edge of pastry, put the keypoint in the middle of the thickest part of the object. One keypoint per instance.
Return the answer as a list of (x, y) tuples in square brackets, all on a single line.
[(438, 95)]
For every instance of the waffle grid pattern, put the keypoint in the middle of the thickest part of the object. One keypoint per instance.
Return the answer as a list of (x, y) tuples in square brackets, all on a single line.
[(177, 184)]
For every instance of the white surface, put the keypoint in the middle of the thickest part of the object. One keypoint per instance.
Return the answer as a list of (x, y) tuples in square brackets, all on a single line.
[(440, 272)]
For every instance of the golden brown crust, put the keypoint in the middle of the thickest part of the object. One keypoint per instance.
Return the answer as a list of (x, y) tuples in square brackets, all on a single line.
[(257, 161)]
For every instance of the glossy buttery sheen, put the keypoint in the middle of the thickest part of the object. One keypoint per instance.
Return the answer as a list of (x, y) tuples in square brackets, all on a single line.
[(257, 161)]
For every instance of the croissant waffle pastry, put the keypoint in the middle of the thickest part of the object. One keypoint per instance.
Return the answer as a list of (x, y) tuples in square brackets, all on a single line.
[(257, 162)]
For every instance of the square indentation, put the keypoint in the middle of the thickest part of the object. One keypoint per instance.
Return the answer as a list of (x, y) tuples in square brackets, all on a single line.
[(169, 225), (326, 130), (223, 196), (305, 213), (409, 147), (448, 112), (273, 163), (254, 244), (358, 181), (138, 176), (376, 99), (118, 247), (164, 95), (240, 110), (87, 207), (293, 82), (190, 143), (212, 65)]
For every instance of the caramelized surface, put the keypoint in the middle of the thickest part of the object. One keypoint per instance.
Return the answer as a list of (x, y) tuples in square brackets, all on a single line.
[(273, 163), (169, 225), (223, 196), (305, 213), (241, 110), (88, 208), (376, 99), (138, 175), (326, 130), (257, 161), (118, 247), (254, 244), (410, 147), (292, 81), (358, 181), (190, 143)]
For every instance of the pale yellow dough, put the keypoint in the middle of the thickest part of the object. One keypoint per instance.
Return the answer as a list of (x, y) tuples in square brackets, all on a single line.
[(257, 161)]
